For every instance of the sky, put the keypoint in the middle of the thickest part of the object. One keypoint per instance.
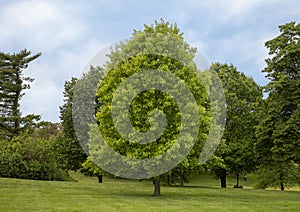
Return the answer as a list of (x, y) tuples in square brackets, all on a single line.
[(70, 33)]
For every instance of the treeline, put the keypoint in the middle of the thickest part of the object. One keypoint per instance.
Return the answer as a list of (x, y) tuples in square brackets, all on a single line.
[(261, 135), (29, 148)]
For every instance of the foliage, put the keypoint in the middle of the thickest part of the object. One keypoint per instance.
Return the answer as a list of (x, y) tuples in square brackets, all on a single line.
[(46, 129), (69, 152), (91, 169), (12, 85), (243, 96), (133, 56), (29, 158), (278, 133)]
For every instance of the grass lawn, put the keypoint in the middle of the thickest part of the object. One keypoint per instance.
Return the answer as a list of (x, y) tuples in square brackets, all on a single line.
[(202, 194)]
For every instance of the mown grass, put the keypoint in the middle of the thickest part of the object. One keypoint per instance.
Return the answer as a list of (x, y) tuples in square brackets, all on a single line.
[(202, 194)]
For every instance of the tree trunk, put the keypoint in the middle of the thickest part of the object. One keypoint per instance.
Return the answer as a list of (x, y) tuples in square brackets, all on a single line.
[(100, 178), (169, 180), (237, 180), (281, 183), (156, 183), (223, 179), (15, 106), (281, 186), (181, 180)]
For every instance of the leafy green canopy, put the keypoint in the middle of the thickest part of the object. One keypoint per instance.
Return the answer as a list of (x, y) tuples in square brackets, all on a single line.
[(243, 96), (159, 47), (144, 103), (278, 134)]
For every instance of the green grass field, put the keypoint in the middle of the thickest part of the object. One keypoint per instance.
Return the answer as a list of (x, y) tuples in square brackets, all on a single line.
[(202, 194)]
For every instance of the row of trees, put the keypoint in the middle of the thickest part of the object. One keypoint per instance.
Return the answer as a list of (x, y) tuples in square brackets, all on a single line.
[(246, 146), (260, 135), (263, 135)]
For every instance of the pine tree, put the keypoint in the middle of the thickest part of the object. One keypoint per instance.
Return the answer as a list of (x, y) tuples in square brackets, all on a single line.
[(12, 85), (71, 153)]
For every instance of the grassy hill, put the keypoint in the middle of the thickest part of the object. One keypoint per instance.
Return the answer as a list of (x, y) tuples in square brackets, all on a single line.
[(202, 194)]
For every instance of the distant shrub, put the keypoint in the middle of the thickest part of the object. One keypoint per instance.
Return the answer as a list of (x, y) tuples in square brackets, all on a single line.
[(29, 158)]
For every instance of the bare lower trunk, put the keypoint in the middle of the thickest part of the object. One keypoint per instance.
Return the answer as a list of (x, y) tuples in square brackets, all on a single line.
[(281, 183), (169, 180), (223, 179), (237, 180), (100, 179), (282, 186), (156, 183), (181, 180)]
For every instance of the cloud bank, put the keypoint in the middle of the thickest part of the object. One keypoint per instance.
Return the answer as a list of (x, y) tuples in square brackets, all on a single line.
[(70, 34)]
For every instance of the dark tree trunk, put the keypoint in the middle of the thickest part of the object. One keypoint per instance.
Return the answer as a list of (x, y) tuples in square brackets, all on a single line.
[(281, 183), (156, 183), (169, 180), (181, 180), (237, 180), (223, 179), (100, 178), (281, 186)]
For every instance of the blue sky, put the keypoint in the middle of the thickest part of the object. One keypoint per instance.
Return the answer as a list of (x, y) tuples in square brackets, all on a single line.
[(70, 33)]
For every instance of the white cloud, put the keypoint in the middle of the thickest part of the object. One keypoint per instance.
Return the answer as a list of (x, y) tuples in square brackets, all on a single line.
[(232, 8), (245, 50), (59, 31), (39, 24), (46, 94), (182, 17), (43, 99)]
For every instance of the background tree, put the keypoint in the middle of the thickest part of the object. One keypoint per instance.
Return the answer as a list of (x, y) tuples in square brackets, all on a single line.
[(235, 153), (25, 144), (12, 85), (125, 60), (69, 152), (278, 133), (46, 129)]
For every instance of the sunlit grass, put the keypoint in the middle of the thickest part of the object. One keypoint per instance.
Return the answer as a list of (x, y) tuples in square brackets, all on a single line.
[(202, 194)]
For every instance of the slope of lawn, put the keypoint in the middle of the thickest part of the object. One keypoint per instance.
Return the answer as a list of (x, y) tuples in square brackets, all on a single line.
[(202, 194)]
